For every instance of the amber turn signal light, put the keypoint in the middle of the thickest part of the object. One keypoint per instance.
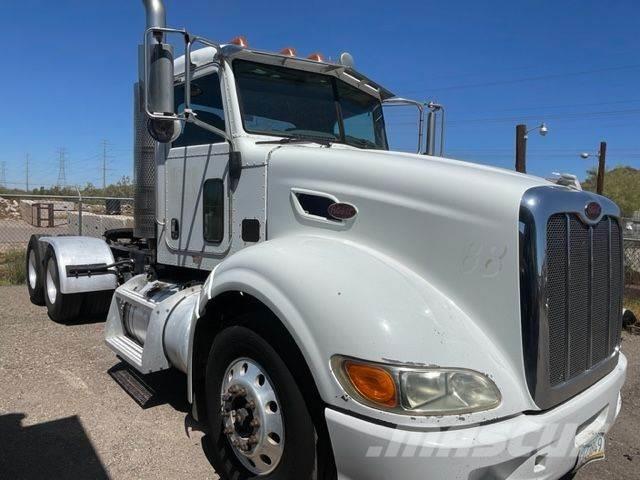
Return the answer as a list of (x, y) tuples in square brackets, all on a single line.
[(240, 40), (288, 52), (373, 383), (316, 57)]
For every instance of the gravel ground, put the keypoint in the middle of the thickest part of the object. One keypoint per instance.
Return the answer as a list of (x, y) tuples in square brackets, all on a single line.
[(62, 415)]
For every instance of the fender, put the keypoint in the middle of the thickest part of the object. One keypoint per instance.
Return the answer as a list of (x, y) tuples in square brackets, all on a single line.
[(337, 297), (76, 250)]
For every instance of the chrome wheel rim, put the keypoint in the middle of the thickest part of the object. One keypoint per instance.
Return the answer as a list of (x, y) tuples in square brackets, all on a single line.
[(52, 291), (252, 417), (33, 270)]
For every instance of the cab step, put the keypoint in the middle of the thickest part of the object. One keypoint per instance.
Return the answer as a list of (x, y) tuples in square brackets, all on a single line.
[(134, 385)]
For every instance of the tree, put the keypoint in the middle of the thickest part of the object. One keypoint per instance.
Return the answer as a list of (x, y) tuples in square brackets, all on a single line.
[(621, 184)]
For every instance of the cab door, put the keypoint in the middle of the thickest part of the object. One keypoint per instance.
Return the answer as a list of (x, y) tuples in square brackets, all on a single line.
[(198, 198)]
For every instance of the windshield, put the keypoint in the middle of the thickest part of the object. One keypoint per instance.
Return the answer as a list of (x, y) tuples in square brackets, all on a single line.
[(293, 103)]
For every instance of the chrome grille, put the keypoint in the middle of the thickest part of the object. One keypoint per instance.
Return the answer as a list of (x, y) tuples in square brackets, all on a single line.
[(571, 292), (581, 292)]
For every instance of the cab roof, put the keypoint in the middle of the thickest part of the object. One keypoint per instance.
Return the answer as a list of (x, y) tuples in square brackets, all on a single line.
[(206, 55)]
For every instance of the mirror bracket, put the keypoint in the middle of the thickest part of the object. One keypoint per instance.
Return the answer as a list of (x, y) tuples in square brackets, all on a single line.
[(188, 115)]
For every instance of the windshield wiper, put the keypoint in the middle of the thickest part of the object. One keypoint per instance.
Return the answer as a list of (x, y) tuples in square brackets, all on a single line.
[(285, 140), (359, 142)]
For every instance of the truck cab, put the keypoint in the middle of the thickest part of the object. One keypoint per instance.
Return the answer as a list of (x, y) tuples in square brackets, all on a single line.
[(342, 310)]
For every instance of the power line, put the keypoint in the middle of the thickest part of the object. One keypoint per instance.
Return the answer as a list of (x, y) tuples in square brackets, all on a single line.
[(413, 114), (529, 79), (552, 116)]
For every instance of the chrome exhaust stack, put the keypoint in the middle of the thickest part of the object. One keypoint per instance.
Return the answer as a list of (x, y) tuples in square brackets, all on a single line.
[(155, 66)]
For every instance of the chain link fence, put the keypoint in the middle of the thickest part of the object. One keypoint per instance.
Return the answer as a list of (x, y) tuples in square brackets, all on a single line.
[(23, 215), (631, 234)]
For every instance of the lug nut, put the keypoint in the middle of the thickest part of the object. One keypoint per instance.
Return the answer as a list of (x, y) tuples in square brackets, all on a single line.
[(253, 440), (255, 423), (229, 430), (251, 404)]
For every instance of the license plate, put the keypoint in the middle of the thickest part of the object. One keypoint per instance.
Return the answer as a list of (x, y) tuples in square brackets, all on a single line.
[(591, 451)]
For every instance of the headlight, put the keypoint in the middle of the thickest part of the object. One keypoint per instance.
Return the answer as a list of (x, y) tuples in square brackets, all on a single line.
[(409, 390)]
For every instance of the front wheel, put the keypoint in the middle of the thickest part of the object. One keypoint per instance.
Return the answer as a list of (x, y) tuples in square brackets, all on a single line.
[(259, 422)]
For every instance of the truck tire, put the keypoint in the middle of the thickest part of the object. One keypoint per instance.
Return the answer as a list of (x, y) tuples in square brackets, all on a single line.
[(34, 267), (62, 308), (246, 380)]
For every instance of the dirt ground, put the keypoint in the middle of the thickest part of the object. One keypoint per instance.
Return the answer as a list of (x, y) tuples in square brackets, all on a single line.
[(62, 416)]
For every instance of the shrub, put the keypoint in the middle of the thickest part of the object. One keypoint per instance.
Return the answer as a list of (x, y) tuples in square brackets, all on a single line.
[(12, 267)]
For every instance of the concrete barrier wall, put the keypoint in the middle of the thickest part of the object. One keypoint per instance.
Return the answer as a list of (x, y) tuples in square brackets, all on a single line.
[(60, 210)]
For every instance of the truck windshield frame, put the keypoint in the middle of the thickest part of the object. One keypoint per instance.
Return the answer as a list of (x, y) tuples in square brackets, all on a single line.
[(288, 102)]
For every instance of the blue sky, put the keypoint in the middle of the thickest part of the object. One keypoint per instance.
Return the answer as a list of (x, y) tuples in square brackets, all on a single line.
[(69, 71)]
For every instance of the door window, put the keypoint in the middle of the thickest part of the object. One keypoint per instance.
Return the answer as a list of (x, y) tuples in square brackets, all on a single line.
[(213, 210), (206, 102)]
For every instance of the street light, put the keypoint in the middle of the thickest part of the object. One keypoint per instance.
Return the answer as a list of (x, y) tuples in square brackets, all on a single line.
[(602, 156), (522, 134), (542, 128)]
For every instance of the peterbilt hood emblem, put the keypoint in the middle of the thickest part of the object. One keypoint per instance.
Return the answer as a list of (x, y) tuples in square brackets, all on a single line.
[(592, 210), (342, 211)]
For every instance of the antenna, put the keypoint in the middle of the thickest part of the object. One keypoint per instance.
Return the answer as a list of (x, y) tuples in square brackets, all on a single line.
[(62, 174)]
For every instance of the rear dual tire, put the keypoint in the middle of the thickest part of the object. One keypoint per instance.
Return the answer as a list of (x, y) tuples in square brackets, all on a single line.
[(34, 267), (69, 307), (61, 307)]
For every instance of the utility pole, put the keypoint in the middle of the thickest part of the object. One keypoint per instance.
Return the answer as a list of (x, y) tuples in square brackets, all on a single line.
[(62, 174), (602, 156), (602, 159), (522, 134), (104, 165), (3, 174), (521, 148), (27, 171)]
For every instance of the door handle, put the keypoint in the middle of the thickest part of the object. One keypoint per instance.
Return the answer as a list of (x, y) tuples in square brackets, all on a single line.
[(175, 229)]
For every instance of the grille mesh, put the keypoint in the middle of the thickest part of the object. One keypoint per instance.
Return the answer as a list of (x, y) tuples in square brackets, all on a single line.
[(556, 282), (584, 288)]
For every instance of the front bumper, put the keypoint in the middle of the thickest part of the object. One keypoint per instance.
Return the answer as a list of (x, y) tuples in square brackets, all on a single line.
[(527, 446)]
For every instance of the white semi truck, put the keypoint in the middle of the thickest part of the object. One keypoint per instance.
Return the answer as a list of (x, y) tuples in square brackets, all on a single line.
[(341, 310)]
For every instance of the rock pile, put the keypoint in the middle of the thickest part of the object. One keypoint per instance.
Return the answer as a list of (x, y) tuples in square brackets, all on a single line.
[(9, 209)]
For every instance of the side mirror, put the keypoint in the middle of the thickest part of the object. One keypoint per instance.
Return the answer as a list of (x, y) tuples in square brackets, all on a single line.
[(164, 131), (159, 91)]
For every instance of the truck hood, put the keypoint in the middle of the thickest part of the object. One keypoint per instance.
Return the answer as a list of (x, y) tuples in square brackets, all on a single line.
[(453, 224)]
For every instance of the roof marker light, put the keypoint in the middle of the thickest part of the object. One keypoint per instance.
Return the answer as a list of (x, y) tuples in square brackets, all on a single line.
[(240, 40), (288, 52), (316, 57)]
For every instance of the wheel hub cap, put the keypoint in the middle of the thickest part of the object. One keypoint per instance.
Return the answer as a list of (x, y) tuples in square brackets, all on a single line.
[(251, 416), (33, 275), (52, 291)]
